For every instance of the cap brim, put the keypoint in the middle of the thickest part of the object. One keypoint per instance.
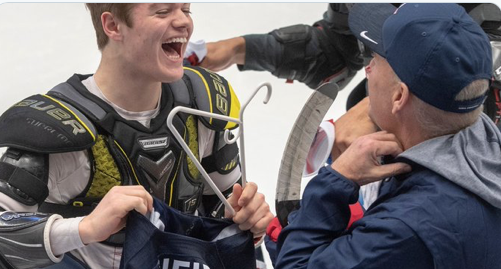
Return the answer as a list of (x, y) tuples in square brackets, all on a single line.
[(366, 23)]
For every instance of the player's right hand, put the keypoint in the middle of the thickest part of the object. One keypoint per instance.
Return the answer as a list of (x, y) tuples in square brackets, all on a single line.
[(110, 215)]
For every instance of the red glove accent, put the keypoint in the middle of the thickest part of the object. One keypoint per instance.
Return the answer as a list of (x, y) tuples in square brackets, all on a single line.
[(193, 59), (356, 213), (274, 229)]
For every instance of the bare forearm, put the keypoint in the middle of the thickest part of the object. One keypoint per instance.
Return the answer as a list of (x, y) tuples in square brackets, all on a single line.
[(225, 53)]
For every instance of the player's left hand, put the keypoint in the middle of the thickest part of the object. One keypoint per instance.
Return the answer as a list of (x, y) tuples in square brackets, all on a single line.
[(252, 211)]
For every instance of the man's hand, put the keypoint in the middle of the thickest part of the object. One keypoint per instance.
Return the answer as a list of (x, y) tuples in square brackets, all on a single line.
[(361, 161), (110, 214), (225, 53), (252, 211), (352, 125)]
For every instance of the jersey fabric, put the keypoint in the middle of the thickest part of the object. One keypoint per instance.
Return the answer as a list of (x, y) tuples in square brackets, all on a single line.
[(170, 239)]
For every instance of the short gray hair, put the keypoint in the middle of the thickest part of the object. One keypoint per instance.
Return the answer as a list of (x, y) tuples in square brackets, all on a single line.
[(436, 122)]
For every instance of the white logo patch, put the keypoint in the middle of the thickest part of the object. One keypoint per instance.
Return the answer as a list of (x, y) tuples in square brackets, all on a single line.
[(154, 143), (177, 264), (364, 35)]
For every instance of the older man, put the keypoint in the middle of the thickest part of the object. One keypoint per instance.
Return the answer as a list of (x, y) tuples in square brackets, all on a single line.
[(440, 206)]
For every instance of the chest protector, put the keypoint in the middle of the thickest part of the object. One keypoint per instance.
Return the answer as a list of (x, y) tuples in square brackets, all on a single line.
[(127, 153)]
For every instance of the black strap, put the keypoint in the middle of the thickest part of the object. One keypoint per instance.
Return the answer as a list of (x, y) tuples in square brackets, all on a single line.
[(77, 207), (294, 39), (24, 181), (218, 160)]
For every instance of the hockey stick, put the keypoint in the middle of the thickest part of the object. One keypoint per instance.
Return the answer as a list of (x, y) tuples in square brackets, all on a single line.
[(297, 147)]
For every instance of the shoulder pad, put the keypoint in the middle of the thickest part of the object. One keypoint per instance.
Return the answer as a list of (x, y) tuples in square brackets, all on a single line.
[(214, 94), (43, 124)]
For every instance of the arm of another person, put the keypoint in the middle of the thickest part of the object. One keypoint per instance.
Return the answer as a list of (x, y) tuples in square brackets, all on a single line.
[(309, 54), (316, 236), (352, 125)]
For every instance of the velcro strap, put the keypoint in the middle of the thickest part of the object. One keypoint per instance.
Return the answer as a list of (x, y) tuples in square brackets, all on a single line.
[(220, 159), (24, 181), (78, 207), (294, 39)]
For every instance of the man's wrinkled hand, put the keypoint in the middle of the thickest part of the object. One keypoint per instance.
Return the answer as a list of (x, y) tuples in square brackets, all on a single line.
[(360, 163)]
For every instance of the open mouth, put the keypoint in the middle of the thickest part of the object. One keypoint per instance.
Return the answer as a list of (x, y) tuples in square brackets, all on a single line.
[(173, 46)]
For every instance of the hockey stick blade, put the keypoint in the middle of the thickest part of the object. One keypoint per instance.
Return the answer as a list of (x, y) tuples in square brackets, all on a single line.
[(297, 147)]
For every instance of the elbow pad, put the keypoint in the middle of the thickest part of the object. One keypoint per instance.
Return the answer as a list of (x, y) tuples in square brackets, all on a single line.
[(316, 54), (24, 240), (24, 176)]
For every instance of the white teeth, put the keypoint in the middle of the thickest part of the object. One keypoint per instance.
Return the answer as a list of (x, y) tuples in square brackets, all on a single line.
[(173, 56), (176, 40)]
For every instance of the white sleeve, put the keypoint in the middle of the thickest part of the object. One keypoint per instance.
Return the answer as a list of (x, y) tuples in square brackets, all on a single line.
[(205, 144), (64, 235), (69, 174)]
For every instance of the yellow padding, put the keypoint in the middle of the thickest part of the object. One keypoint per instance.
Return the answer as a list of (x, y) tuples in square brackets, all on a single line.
[(192, 127), (106, 174), (234, 109)]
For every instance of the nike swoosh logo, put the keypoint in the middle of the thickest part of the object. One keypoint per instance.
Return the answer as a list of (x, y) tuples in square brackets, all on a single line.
[(364, 35)]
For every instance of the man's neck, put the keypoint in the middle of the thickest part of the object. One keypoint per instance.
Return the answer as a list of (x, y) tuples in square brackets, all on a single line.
[(128, 91), (409, 135)]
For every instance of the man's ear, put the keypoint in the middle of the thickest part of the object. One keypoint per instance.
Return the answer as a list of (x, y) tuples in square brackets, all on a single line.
[(400, 98), (111, 26)]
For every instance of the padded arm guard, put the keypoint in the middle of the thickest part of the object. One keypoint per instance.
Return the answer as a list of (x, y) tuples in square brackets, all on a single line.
[(316, 54), (24, 176), (33, 128), (24, 240), (43, 124)]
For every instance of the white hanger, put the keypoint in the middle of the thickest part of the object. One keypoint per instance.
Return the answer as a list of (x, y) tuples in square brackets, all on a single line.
[(240, 135)]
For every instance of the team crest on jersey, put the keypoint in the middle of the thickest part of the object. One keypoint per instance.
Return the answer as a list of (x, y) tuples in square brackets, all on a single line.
[(154, 143), (168, 263)]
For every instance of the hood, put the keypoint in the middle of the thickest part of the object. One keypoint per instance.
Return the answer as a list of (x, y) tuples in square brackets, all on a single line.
[(470, 158)]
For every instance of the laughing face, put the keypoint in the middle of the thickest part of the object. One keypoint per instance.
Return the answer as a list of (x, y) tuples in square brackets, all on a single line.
[(153, 48)]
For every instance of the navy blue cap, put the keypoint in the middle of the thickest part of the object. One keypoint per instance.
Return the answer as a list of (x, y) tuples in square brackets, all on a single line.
[(435, 49)]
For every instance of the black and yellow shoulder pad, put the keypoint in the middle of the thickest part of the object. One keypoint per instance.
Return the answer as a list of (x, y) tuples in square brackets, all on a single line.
[(214, 94), (43, 124)]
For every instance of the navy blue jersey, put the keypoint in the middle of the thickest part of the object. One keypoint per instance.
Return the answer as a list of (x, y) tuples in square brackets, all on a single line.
[(171, 239)]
